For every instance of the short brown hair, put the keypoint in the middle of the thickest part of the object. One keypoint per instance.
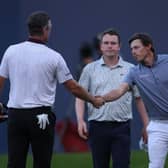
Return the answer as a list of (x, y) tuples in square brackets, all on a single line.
[(109, 31), (36, 22), (144, 38)]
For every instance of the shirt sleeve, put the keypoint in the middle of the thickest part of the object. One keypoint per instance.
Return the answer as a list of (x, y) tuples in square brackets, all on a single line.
[(63, 72), (84, 78), (4, 67), (129, 78)]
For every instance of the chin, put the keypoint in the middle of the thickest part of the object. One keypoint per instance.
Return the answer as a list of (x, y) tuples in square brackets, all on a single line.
[(111, 55), (136, 58)]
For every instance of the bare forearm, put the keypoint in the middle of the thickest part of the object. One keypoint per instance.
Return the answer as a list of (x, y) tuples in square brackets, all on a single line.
[(78, 91), (116, 93), (142, 111), (111, 96), (81, 93), (2, 81), (80, 109)]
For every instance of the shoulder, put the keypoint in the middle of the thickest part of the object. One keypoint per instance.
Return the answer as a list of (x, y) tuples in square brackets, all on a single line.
[(162, 57), (15, 47), (132, 69), (12, 49), (92, 66), (54, 54), (128, 65)]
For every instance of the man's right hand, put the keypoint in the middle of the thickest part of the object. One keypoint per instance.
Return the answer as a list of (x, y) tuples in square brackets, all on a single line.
[(82, 129)]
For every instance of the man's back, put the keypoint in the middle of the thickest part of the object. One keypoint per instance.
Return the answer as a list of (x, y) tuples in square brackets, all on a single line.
[(31, 69)]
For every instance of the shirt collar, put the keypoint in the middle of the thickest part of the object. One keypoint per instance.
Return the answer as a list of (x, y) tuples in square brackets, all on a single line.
[(155, 59), (155, 62), (35, 41), (119, 64)]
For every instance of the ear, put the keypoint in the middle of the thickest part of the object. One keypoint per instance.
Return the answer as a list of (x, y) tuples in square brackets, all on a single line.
[(149, 47), (100, 45), (46, 27), (43, 30)]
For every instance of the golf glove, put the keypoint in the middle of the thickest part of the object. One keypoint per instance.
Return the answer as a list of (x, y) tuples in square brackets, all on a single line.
[(43, 121), (143, 146)]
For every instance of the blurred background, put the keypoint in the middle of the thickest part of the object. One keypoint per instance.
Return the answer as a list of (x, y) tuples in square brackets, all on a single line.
[(76, 23)]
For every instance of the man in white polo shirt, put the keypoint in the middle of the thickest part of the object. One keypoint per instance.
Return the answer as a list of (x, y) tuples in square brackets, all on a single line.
[(109, 126), (33, 70)]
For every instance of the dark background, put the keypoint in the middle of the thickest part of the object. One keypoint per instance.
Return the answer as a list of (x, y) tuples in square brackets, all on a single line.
[(77, 21)]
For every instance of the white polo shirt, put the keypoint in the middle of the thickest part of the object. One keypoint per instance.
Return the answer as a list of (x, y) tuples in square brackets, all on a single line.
[(33, 70), (100, 79)]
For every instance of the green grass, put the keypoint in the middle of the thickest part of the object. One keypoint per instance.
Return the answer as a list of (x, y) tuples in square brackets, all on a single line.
[(82, 160)]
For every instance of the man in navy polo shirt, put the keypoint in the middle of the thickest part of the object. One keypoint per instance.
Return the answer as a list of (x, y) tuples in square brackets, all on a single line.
[(150, 76)]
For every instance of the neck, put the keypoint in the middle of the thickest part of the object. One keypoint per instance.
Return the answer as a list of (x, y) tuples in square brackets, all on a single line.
[(39, 39), (111, 61), (149, 60)]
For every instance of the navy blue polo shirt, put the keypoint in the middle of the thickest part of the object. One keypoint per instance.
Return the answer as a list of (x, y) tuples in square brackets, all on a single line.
[(152, 83)]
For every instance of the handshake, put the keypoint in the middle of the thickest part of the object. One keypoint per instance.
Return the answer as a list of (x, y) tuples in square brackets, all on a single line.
[(98, 101)]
